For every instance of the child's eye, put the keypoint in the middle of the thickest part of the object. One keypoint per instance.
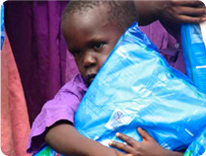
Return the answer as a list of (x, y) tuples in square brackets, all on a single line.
[(98, 46), (76, 53)]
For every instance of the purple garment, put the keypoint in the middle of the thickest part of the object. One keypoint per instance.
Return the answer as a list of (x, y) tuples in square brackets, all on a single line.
[(168, 46), (62, 107)]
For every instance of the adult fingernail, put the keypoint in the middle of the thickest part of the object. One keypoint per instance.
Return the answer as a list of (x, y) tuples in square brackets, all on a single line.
[(117, 134), (204, 19)]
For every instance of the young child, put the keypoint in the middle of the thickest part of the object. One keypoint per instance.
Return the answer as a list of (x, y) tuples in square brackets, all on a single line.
[(91, 30)]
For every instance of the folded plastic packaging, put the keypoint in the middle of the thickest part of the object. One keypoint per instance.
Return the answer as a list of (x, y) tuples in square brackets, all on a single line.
[(47, 151), (194, 51), (137, 88), (198, 146)]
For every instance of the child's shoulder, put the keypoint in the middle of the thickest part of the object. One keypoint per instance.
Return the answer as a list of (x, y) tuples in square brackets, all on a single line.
[(76, 84)]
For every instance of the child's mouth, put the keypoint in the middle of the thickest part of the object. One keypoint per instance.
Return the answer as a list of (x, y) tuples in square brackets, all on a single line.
[(90, 78)]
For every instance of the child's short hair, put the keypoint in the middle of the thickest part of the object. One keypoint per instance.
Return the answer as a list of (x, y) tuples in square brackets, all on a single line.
[(121, 12)]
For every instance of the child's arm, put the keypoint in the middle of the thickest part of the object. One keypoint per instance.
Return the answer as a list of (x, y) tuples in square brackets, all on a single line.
[(148, 146), (64, 138)]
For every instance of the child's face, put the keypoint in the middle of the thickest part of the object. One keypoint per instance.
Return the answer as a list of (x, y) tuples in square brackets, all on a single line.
[(90, 38)]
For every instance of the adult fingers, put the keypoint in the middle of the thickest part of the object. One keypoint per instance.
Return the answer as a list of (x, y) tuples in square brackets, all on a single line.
[(191, 15), (144, 134), (191, 11), (124, 147), (188, 15), (189, 19), (194, 3)]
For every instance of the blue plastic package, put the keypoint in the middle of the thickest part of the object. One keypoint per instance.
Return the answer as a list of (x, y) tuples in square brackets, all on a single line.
[(2, 26), (198, 146), (47, 151), (137, 88), (194, 51)]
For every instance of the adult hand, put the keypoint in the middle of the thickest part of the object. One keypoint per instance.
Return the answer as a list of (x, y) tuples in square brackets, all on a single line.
[(172, 11), (187, 11), (175, 12)]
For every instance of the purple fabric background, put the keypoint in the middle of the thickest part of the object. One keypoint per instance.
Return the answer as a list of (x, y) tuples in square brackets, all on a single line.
[(40, 51)]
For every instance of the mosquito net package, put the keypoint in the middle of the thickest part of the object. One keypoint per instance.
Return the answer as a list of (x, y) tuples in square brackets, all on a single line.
[(137, 88), (194, 50)]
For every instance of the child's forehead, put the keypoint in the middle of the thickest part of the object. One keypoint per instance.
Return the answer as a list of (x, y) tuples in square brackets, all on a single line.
[(100, 10), (89, 5), (99, 14), (89, 21), (97, 9)]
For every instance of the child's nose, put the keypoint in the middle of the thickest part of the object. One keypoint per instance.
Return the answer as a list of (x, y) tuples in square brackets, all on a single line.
[(89, 60)]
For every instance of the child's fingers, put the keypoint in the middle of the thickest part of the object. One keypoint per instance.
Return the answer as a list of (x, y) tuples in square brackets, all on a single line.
[(144, 134), (124, 147), (126, 138)]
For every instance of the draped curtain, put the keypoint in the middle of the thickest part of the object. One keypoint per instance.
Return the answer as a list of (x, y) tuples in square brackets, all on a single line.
[(34, 31), (14, 116)]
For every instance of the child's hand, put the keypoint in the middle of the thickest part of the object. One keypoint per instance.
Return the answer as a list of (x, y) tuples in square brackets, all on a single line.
[(148, 146)]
